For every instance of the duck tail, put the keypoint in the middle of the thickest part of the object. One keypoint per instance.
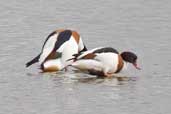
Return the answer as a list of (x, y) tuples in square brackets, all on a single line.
[(34, 60), (74, 57), (84, 49)]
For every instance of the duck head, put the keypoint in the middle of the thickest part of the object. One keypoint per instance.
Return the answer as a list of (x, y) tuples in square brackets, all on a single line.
[(131, 58)]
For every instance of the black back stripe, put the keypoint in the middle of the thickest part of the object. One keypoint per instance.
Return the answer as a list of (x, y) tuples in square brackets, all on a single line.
[(105, 50), (101, 50), (51, 34), (62, 38)]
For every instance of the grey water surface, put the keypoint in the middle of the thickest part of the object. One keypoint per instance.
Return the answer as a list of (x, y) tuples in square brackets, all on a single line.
[(141, 26)]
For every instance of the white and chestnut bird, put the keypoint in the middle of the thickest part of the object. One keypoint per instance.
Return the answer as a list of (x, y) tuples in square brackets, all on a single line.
[(58, 47), (103, 61)]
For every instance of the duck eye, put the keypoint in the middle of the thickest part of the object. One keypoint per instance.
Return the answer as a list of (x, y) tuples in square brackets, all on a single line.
[(135, 59)]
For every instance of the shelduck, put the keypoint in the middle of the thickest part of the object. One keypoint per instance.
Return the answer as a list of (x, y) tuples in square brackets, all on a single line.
[(58, 47), (104, 61)]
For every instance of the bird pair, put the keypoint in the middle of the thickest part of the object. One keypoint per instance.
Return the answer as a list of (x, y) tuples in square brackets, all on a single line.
[(64, 48)]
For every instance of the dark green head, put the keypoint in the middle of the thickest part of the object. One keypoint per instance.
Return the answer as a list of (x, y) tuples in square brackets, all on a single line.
[(131, 58)]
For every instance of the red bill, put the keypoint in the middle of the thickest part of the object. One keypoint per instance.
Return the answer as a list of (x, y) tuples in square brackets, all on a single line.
[(136, 66)]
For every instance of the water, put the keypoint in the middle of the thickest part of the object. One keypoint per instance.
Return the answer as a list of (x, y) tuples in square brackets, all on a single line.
[(137, 25)]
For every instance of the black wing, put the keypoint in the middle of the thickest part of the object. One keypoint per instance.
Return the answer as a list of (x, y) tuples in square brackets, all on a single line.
[(62, 38)]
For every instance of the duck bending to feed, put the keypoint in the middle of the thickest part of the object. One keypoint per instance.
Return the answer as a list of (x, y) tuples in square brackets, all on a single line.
[(58, 47), (104, 61)]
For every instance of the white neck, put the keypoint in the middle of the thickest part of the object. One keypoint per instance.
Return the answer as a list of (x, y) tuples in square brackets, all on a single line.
[(125, 65)]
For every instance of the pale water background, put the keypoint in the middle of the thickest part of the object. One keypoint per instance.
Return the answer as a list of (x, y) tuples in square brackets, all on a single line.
[(142, 26)]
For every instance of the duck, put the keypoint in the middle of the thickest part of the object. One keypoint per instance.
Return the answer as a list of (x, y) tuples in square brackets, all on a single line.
[(104, 61), (58, 47)]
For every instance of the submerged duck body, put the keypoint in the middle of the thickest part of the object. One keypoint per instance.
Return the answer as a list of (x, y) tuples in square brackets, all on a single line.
[(58, 47), (103, 61)]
